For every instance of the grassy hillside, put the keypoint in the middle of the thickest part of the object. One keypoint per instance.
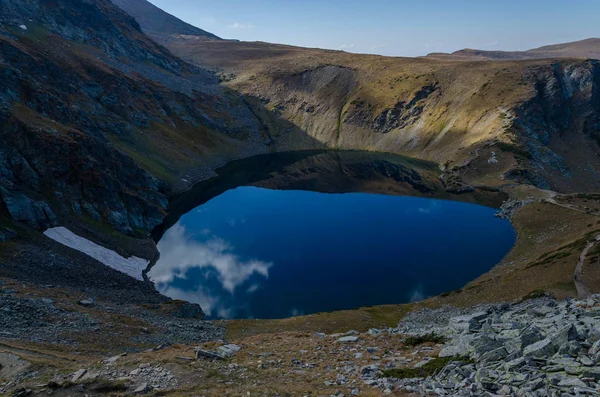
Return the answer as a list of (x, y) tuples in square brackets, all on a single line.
[(529, 121)]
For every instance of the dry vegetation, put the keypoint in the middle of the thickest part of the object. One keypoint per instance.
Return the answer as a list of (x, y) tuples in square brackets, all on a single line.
[(285, 364), (459, 114), (465, 108)]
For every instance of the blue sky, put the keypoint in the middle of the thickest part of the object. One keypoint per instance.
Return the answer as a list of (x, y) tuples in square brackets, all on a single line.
[(395, 27)]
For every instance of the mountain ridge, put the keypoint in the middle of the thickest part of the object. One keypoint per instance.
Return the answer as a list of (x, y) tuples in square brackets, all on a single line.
[(159, 24), (585, 49)]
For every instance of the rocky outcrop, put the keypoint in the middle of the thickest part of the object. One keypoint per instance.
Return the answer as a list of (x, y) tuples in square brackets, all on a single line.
[(41, 169), (402, 115), (559, 118), (509, 207), (539, 347), (45, 320)]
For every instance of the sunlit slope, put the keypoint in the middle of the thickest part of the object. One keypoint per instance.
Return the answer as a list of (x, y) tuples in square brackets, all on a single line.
[(533, 121)]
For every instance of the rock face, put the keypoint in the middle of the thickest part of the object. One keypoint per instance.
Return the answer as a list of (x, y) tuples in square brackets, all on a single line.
[(540, 347), (543, 125), (564, 104), (83, 90), (73, 173)]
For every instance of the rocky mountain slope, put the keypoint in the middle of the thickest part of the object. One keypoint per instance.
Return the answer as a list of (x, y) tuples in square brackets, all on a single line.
[(160, 25), (98, 125), (84, 91), (521, 121), (134, 122), (527, 118), (585, 49)]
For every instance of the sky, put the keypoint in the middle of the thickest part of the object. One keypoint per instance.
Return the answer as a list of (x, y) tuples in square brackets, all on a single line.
[(394, 27)]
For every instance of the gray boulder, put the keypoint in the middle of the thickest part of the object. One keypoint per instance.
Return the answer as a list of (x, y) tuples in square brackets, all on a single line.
[(530, 336), (542, 349), (494, 355), (564, 335), (228, 350), (348, 339), (469, 322), (595, 349), (594, 334), (483, 344), (189, 310), (592, 373)]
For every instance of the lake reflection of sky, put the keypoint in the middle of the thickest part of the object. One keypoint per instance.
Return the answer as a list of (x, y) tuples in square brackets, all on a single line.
[(254, 252)]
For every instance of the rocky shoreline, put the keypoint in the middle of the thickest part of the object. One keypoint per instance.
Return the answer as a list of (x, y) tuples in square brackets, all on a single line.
[(48, 320)]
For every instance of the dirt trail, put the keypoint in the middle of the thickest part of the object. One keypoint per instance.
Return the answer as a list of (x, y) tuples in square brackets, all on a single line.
[(6, 348), (551, 200), (582, 289)]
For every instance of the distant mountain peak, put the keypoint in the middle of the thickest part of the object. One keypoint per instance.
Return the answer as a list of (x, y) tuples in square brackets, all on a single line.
[(587, 49), (159, 24)]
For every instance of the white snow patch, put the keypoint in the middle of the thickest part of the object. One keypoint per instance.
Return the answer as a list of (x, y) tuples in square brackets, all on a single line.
[(23, 27), (132, 266)]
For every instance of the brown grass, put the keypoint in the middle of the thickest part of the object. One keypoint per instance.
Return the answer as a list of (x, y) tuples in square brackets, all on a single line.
[(331, 322), (544, 259)]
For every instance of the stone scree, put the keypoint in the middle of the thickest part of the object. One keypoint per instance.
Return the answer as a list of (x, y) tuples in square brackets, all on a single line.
[(539, 347)]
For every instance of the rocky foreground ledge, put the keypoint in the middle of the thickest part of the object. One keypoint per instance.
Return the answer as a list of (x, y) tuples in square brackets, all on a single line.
[(538, 347), (535, 347)]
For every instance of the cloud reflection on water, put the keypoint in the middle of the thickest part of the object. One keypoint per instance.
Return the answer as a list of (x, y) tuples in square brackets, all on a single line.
[(214, 259)]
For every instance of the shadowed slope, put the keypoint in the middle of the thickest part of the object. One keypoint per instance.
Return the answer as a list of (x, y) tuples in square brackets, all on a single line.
[(158, 24)]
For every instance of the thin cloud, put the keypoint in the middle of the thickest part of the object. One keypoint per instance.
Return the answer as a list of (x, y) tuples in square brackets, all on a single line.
[(435, 45), (237, 25), (493, 43), (179, 253), (346, 46), (379, 46)]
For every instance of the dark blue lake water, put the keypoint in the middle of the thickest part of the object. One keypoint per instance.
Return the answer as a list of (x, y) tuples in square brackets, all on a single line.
[(259, 253)]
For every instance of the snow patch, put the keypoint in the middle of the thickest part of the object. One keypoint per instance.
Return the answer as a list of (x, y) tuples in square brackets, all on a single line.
[(23, 27), (132, 266)]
